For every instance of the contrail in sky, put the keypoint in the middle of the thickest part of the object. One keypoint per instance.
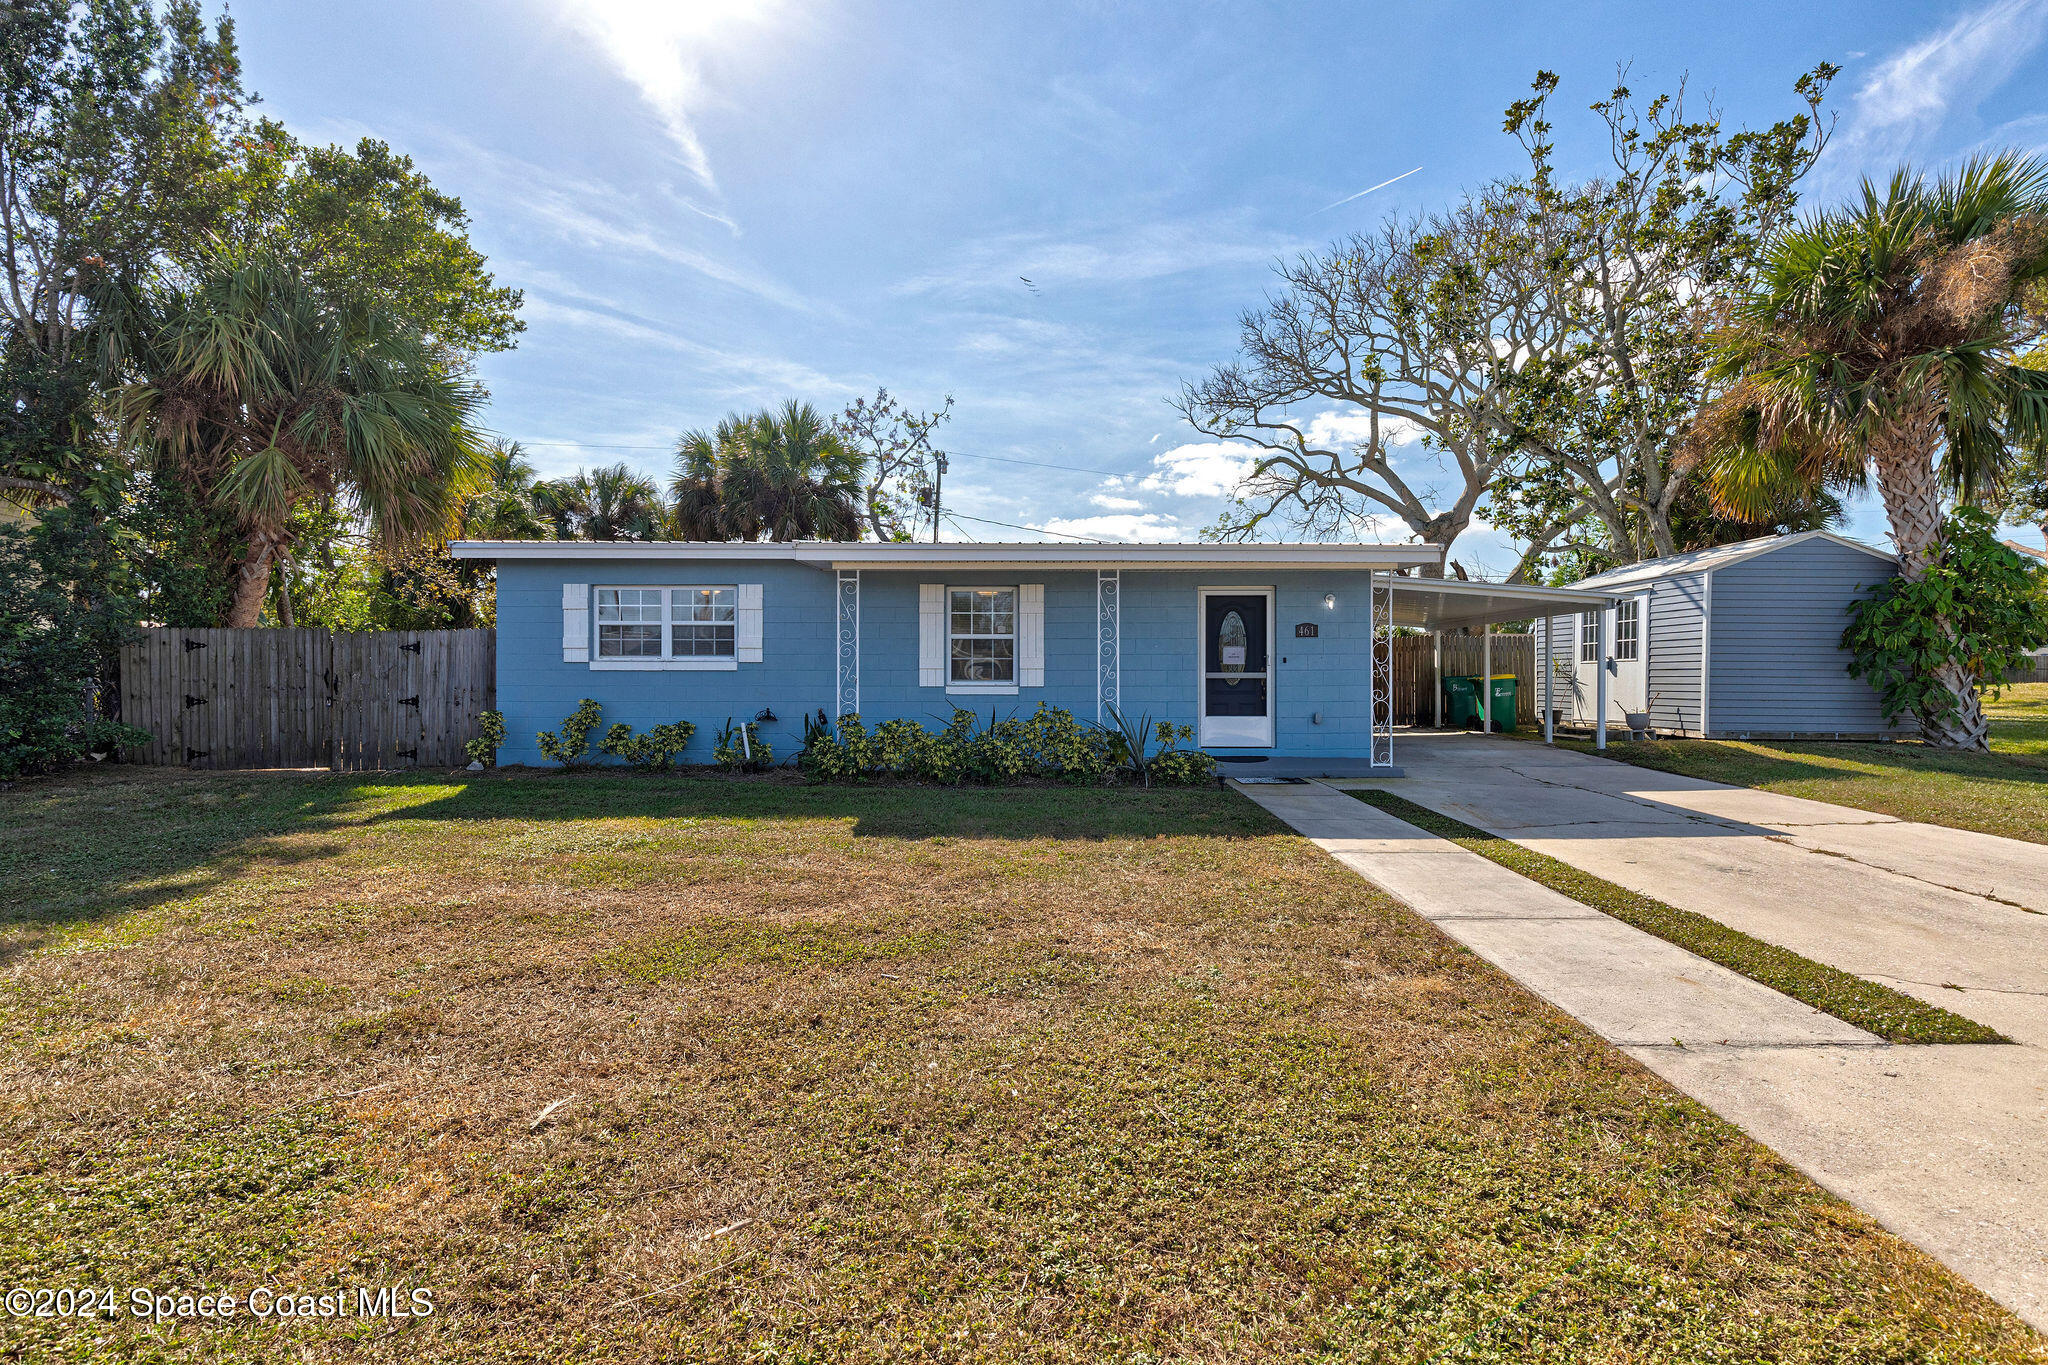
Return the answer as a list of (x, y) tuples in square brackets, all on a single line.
[(1367, 190)]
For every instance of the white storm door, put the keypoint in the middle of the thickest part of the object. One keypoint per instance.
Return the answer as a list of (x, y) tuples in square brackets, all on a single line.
[(1235, 657)]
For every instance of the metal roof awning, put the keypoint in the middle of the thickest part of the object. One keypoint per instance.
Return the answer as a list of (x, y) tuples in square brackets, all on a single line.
[(1447, 604)]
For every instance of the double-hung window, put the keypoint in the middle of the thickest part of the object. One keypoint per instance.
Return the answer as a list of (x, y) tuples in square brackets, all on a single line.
[(1627, 627), (981, 636), (1589, 637), (657, 625)]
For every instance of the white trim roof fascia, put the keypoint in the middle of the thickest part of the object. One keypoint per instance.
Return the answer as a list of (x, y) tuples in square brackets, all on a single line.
[(854, 555)]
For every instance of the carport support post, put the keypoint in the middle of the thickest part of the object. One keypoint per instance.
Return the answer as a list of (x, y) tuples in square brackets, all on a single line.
[(1436, 639), (1549, 677), (1486, 682), (1600, 687)]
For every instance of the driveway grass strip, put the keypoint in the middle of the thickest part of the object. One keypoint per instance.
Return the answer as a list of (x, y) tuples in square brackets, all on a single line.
[(1892, 1015)]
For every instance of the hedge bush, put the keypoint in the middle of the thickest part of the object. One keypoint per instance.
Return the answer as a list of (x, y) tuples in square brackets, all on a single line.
[(1048, 745)]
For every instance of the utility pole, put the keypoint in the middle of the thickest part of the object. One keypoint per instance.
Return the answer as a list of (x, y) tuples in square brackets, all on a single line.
[(938, 486)]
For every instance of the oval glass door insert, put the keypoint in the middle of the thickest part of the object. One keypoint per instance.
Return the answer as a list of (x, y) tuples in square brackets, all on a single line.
[(1230, 645)]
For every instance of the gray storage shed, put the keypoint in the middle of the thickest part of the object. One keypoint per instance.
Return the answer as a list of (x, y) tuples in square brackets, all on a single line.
[(1738, 641)]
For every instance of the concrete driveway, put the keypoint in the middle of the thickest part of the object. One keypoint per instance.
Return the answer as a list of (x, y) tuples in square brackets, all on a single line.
[(1946, 1145)]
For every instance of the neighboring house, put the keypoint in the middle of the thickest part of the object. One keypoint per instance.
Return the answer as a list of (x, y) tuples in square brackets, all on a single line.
[(1739, 640), (1266, 650)]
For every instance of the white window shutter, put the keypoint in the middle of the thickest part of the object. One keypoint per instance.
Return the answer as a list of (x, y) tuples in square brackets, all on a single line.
[(931, 635), (1031, 635), (575, 623), (746, 635)]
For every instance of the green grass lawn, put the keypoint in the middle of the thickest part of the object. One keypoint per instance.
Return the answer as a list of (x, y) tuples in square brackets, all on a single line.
[(630, 1068), (2003, 792)]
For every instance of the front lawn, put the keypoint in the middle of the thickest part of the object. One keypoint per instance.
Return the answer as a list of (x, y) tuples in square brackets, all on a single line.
[(2003, 792), (677, 1068)]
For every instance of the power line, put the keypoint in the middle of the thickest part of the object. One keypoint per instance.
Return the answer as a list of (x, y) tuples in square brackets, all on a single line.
[(1013, 526)]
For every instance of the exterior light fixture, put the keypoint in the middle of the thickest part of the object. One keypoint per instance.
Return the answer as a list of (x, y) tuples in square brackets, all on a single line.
[(1330, 600)]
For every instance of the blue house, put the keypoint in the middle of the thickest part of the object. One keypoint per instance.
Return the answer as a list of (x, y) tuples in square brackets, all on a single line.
[(1266, 650), (1737, 641)]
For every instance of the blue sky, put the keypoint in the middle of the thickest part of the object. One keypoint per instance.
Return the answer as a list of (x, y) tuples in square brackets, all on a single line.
[(716, 206)]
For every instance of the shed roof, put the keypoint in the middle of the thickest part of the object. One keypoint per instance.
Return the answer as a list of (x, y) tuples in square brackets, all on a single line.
[(1719, 557)]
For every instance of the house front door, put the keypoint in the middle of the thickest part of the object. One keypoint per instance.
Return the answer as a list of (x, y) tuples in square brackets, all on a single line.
[(1237, 668)]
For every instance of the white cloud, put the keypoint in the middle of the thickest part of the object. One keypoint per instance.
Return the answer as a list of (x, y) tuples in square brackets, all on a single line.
[(1114, 504), (1913, 93), (745, 375), (1353, 426), (661, 47), (1207, 470), (595, 214), (1147, 526)]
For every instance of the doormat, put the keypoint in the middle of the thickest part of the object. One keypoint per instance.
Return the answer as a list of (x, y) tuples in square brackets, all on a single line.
[(1271, 781)]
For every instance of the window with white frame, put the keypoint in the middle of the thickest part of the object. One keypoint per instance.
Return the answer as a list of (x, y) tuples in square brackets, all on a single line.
[(981, 636), (1627, 628), (665, 623), (1589, 637)]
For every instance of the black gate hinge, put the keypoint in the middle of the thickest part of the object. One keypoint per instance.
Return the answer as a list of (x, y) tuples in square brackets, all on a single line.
[(191, 644), (191, 754), (411, 648), (409, 753), (192, 701), (409, 701)]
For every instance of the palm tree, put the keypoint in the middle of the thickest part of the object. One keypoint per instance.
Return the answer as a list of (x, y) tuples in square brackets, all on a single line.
[(1881, 342), (613, 502), (264, 394), (783, 475), (500, 506)]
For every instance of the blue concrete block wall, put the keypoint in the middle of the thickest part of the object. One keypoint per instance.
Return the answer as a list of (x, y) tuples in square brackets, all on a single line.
[(797, 675)]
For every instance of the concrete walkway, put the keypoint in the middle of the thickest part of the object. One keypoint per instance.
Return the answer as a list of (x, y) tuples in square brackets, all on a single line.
[(1945, 1145)]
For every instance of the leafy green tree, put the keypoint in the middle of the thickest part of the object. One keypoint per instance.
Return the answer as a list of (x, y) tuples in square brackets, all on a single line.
[(117, 123), (1638, 265), (264, 394), (611, 502), (501, 507), (1882, 343), (1537, 346), (781, 475), (1977, 608), (368, 224), (65, 609), (903, 460)]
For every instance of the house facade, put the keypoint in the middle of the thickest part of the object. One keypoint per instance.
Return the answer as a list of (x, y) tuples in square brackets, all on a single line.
[(1739, 640), (1266, 651)]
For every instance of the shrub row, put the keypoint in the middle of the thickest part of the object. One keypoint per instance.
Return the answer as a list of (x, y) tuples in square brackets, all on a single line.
[(1049, 744)]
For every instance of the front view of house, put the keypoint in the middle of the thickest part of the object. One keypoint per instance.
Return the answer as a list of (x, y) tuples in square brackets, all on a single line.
[(1266, 650)]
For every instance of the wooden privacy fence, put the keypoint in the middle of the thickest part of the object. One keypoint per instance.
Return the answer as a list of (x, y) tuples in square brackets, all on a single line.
[(1415, 672), (299, 698)]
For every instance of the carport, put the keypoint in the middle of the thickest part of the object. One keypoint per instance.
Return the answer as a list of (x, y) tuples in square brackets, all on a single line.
[(1438, 605)]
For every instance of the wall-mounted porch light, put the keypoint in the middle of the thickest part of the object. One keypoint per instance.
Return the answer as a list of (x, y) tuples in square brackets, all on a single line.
[(1330, 600)]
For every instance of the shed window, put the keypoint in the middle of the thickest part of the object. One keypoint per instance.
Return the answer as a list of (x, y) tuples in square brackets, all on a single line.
[(665, 623), (1627, 628), (1589, 637), (981, 635)]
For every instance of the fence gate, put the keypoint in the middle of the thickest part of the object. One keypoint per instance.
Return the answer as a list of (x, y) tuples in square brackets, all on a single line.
[(303, 698)]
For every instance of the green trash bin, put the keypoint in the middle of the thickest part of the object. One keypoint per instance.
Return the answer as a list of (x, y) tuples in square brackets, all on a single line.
[(1461, 700), (1501, 696)]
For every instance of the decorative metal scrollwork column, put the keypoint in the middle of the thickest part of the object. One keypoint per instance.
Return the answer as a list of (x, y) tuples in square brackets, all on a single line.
[(847, 698), (1382, 671), (1109, 643)]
